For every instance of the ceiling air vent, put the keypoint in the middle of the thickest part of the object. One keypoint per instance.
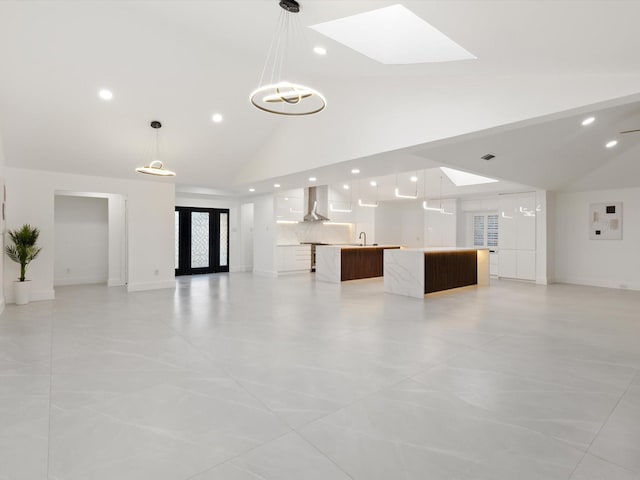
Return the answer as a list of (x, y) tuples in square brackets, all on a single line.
[(488, 156)]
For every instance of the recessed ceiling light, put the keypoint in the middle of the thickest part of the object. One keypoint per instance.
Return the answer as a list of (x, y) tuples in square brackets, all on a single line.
[(345, 186), (105, 94), (462, 179), (312, 179), (320, 50), (373, 183), (355, 171), (252, 189), (393, 35), (216, 117), (588, 121), (611, 143), (414, 178), (276, 185)]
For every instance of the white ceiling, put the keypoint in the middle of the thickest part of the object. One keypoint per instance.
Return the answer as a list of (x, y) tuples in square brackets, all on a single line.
[(182, 61)]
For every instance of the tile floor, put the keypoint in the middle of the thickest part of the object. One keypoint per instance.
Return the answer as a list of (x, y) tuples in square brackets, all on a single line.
[(235, 377)]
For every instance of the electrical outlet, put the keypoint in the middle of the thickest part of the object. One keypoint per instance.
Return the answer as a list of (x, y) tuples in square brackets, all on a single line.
[(68, 270), (157, 272)]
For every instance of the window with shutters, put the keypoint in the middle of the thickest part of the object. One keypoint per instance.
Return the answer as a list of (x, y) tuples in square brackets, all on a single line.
[(492, 230), (484, 229), (478, 230)]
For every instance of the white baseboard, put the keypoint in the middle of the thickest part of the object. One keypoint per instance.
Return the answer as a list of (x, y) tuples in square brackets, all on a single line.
[(265, 273), (244, 268), (142, 286), (294, 272), (2, 305), (591, 282), (116, 282), (61, 282), (521, 280)]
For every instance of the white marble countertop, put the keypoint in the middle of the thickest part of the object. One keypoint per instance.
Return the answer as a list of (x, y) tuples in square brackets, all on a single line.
[(404, 270), (445, 249), (350, 246)]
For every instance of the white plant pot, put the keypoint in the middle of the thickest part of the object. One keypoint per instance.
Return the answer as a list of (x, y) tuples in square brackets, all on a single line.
[(21, 292)]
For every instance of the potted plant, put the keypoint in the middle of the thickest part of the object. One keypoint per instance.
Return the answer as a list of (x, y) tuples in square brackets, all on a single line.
[(23, 251)]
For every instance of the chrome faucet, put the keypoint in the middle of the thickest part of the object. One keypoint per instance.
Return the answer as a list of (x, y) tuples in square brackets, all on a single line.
[(365, 238)]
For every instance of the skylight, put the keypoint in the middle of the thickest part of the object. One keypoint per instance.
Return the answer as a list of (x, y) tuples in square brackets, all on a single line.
[(393, 35), (463, 179)]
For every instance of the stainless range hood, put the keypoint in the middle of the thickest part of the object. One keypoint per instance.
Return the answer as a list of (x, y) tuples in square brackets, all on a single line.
[(316, 198)]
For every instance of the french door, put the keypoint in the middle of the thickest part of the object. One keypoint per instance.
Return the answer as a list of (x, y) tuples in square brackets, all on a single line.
[(202, 240)]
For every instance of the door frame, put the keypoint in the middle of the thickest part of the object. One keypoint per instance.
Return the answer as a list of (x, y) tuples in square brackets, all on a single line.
[(184, 241)]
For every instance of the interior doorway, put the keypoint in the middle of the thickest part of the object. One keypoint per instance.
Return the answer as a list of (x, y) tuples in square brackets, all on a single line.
[(89, 238), (202, 240)]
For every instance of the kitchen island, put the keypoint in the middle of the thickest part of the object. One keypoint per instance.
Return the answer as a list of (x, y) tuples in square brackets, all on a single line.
[(415, 272), (338, 263)]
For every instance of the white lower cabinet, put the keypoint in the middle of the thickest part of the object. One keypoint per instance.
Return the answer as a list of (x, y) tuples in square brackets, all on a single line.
[(508, 265), (517, 255), (293, 258), (520, 264), (494, 264), (526, 265)]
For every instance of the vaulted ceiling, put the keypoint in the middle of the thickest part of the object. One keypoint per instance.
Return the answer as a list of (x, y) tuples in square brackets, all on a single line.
[(540, 66)]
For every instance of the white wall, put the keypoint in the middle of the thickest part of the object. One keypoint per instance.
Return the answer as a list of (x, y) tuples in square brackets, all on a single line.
[(2, 225), (237, 262), (440, 229), (246, 232), (150, 233), (150, 225), (264, 236), (604, 263), (365, 221), (388, 223), (117, 240), (400, 223), (81, 240), (551, 237)]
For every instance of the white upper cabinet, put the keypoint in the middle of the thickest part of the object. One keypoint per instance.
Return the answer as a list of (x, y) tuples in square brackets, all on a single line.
[(289, 205), (507, 221), (526, 222), (518, 236)]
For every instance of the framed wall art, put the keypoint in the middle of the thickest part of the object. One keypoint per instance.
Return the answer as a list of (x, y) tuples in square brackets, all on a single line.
[(605, 221)]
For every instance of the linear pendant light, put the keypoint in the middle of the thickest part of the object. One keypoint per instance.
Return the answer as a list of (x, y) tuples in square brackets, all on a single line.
[(369, 204), (156, 167), (434, 209), (338, 208), (400, 195)]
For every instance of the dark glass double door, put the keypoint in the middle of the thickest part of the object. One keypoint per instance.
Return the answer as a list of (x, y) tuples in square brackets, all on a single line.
[(202, 240)]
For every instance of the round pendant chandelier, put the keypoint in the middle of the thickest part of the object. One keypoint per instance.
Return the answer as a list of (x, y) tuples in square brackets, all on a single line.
[(282, 97), (156, 167)]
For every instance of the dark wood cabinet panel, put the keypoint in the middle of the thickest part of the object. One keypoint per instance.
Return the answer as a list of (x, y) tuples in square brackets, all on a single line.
[(357, 263), (445, 270)]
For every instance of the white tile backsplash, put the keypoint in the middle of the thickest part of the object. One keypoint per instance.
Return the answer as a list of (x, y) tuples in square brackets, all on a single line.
[(315, 232)]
